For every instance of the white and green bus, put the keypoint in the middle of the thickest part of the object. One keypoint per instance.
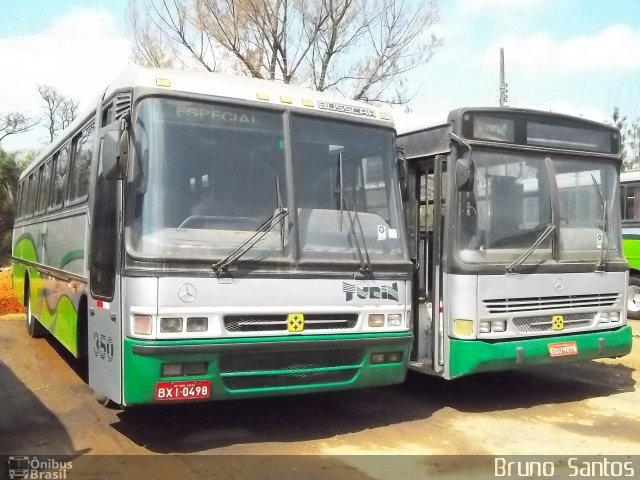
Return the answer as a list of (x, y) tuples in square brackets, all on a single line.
[(513, 223), (630, 207), (202, 237)]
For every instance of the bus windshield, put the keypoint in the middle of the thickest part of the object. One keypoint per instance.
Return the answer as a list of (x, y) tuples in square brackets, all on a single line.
[(510, 207), (212, 173)]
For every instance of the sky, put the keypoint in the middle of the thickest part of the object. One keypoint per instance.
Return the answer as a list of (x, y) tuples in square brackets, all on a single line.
[(580, 57)]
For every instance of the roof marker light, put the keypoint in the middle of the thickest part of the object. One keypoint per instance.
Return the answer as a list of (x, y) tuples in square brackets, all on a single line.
[(307, 102), (262, 95), (286, 99), (163, 82)]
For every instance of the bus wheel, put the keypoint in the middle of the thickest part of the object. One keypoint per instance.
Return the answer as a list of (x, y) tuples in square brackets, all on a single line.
[(633, 298), (35, 329)]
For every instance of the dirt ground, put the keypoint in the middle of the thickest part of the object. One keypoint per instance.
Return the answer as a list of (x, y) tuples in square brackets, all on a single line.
[(8, 301), (424, 428)]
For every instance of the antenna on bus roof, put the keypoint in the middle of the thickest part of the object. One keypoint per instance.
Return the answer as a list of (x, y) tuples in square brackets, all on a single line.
[(504, 102)]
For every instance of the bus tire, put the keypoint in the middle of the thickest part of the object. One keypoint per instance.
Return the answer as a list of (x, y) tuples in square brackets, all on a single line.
[(34, 327), (633, 298)]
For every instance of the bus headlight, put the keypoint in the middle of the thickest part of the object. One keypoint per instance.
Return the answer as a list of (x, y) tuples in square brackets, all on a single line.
[(394, 320), (604, 317), (197, 324), (170, 325), (498, 326), (376, 320), (485, 327), (142, 324), (614, 317)]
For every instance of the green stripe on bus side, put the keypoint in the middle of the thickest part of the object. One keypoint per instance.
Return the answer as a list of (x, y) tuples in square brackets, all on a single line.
[(25, 248), (631, 249), (61, 319), (70, 257)]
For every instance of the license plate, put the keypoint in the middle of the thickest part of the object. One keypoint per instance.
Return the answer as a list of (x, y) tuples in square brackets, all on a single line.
[(562, 349), (188, 390)]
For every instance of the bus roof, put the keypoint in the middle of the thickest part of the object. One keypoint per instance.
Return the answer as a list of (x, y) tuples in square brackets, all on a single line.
[(245, 88), (215, 84), (415, 122)]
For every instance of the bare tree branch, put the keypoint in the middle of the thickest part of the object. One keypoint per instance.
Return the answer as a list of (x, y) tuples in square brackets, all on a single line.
[(59, 110), (13, 123), (360, 47)]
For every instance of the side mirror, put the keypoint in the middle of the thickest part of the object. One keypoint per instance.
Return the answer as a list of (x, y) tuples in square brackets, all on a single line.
[(403, 173), (114, 152), (464, 166)]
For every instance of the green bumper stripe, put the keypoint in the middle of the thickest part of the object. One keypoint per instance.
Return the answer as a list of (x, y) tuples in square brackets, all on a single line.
[(473, 356), (141, 372), (288, 372)]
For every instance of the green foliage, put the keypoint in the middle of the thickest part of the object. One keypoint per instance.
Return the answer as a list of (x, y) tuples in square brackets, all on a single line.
[(9, 176), (630, 138)]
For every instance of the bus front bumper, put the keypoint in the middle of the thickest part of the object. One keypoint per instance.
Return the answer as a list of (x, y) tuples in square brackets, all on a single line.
[(473, 356), (265, 366)]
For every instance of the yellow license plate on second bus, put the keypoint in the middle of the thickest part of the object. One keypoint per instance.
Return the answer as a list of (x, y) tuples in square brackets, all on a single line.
[(562, 349)]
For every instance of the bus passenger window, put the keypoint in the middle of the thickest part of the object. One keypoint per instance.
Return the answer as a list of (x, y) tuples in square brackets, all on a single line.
[(60, 170), (45, 184), (79, 175)]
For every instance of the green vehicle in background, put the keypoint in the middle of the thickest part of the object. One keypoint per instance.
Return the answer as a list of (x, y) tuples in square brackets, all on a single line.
[(630, 204)]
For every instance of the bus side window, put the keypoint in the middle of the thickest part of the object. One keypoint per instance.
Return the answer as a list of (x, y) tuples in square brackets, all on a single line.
[(19, 208), (60, 175), (81, 163), (45, 185), (634, 214), (33, 193)]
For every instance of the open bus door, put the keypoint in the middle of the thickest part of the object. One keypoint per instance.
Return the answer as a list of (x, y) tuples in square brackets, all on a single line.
[(425, 216)]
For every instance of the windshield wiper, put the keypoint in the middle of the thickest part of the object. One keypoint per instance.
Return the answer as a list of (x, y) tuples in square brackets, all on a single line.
[(365, 262), (605, 227), (222, 266), (511, 268)]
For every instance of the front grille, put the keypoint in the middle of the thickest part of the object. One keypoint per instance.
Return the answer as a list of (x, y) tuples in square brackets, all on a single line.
[(289, 369), (290, 379), (278, 323), (524, 304), (543, 323), (261, 362)]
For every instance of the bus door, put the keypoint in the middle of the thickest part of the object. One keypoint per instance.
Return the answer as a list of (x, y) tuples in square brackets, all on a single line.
[(104, 319), (428, 351)]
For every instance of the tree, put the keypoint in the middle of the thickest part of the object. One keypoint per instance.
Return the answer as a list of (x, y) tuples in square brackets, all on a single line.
[(9, 176), (13, 123), (361, 48), (59, 110), (629, 139)]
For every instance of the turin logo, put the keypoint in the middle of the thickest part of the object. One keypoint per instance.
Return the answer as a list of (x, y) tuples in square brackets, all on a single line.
[(383, 292)]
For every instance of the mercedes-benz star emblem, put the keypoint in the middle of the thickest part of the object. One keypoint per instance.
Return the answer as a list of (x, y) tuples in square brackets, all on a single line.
[(187, 292), (558, 285)]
